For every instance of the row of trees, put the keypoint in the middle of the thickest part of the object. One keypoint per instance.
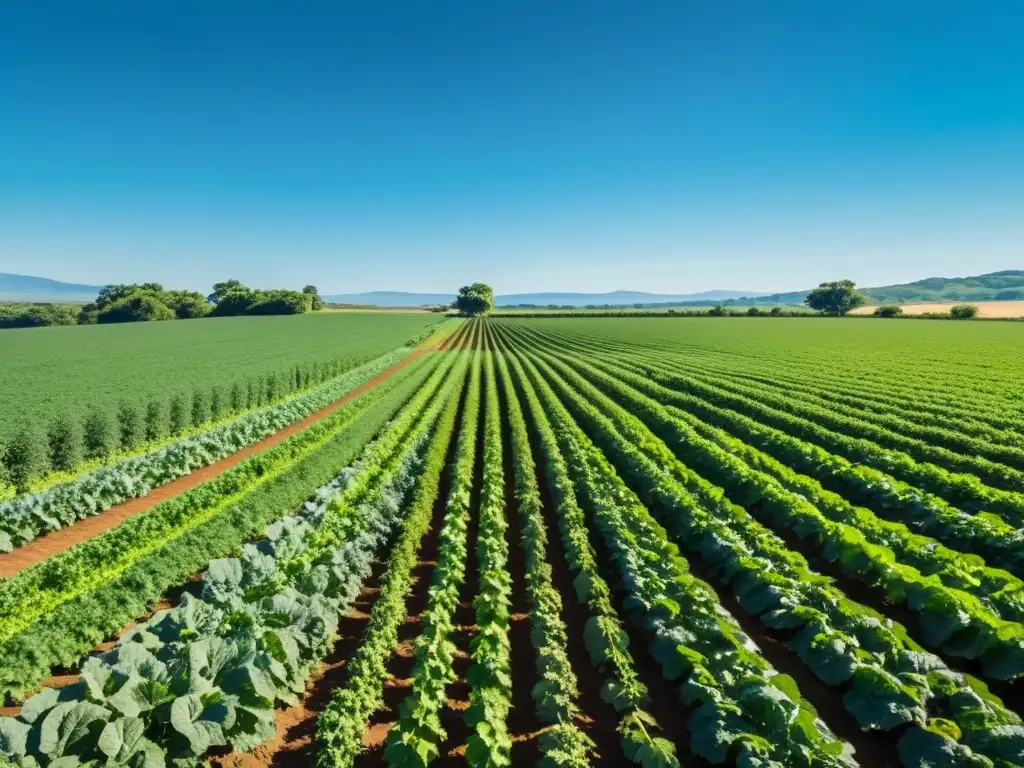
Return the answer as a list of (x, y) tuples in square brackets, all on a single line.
[(71, 439), (143, 302), (139, 302)]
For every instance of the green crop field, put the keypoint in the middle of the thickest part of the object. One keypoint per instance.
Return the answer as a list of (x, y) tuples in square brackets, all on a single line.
[(778, 542), (44, 371), (955, 358)]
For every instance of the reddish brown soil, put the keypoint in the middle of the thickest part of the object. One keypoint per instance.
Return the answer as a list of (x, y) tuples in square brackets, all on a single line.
[(54, 543)]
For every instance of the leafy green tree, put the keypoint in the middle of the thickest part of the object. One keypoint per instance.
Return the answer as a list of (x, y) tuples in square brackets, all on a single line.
[(718, 311), (221, 290), (475, 299), (156, 421), (187, 304), (888, 310), (178, 415), (776, 311), (111, 294), (64, 440), (835, 298), (200, 409), (139, 307), (963, 312), (130, 425), (25, 458), (317, 303), (754, 312), (98, 434)]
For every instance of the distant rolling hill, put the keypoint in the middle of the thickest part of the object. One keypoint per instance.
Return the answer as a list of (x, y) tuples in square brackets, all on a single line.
[(27, 288), (1006, 285), (614, 298)]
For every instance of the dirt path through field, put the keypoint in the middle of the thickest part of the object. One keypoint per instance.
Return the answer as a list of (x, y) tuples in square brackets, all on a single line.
[(54, 543)]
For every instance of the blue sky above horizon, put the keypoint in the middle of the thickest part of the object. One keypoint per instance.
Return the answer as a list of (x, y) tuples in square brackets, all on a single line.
[(668, 146)]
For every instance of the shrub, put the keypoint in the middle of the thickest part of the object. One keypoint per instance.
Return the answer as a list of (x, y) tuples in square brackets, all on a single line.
[(64, 440), (187, 304), (718, 311), (98, 435), (963, 311), (754, 312), (35, 315), (776, 311), (156, 421), (129, 424), (888, 310), (178, 415), (139, 307), (200, 410), (25, 458)]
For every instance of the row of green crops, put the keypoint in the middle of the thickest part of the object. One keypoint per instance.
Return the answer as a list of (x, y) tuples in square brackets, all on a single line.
[(210, 671), (56, 447), (416, 738), (730, 498), (957, 598), (49, 371), (87, 581), (340, 726), (738, 705), (25, 517)]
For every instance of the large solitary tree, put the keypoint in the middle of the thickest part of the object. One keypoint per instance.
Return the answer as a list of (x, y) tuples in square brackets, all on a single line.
[(475, 299), (835, 298)]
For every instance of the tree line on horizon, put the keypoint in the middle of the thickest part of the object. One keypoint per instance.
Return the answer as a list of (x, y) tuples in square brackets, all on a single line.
[(146, 302)]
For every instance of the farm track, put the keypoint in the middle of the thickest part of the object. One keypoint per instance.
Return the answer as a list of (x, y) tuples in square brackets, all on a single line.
[(56, 542)]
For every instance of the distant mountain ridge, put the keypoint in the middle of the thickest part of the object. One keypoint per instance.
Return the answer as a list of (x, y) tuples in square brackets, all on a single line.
[(613, 298), (29, 288), (1007, 284)]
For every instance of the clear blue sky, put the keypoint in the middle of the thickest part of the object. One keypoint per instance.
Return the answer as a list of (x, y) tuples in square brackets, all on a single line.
[(666, 145)]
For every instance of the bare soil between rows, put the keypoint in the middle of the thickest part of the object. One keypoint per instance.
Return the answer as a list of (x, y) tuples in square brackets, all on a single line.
[(51, 544)]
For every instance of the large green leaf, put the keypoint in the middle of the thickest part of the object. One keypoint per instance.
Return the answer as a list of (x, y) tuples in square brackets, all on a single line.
[(202, 721), (13, 737), (124, 743), (921, 747), (68, 724)]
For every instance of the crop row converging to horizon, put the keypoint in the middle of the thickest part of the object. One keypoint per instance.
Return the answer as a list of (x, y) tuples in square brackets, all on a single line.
[(565, 543)]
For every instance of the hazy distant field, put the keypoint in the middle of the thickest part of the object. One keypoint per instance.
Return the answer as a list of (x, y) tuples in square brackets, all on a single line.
[(986, 308), (47, 370)]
